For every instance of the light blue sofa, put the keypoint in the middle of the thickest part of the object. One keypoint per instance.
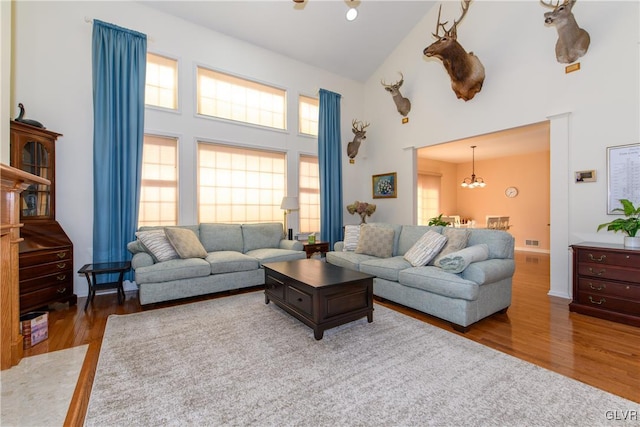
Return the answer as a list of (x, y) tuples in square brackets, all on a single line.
[(235, 254), (481, 289)]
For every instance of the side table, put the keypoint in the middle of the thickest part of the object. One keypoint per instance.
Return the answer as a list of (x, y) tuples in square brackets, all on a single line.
[(92, 270), (318, 246)]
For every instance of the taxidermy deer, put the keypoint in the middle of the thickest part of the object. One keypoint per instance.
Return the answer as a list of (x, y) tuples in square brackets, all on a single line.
[(465, 69), (573, 41), (402, 104), (360, 135)]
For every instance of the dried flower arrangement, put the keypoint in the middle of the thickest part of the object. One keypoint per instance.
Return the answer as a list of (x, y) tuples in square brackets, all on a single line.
[(363, 209)]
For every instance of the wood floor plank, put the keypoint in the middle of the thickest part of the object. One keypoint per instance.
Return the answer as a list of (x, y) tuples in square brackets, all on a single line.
[(537, 328)]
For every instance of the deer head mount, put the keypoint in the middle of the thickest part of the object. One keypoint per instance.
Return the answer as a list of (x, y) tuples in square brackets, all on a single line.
[(465, 69), (402, 104), (573, 41), (360, 135)]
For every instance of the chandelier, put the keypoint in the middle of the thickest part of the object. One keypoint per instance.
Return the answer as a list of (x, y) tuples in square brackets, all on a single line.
[(474, 181)]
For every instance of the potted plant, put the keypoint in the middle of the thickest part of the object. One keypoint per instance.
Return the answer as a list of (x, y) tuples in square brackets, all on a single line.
[(437, 220), (629, 225)]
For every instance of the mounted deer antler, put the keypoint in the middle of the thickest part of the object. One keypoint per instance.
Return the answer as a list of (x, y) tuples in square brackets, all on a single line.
[(402, 104), (573, 41), (360, 135), (465, 69)]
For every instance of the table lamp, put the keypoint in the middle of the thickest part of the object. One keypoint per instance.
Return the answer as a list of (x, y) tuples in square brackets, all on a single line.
[(289, 204)]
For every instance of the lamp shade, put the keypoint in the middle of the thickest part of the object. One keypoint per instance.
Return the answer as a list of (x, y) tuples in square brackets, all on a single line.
[(289, 203)]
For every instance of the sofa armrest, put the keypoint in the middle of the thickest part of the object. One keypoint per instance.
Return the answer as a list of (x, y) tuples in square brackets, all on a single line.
[(489, 271), (141, 259), (338, 246), (293, 245)]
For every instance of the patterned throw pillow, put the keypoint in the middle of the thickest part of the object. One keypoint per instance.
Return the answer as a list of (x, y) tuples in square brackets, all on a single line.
[(457, 239), (425, 249), (158, 244), (185, 242), (375, 241), (351, 237)]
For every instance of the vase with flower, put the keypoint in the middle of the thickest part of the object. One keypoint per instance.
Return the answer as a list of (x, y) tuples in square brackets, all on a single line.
[(363, 209)]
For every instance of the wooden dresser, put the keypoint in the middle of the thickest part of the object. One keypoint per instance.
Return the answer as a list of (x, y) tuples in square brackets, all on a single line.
[(606, 282)]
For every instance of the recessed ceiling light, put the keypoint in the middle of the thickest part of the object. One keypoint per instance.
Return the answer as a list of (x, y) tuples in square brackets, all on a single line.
[(352, 14)]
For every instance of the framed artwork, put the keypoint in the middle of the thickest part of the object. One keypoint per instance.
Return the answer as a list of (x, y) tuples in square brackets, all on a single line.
[(623, 175), (385, 185), (586, 176)]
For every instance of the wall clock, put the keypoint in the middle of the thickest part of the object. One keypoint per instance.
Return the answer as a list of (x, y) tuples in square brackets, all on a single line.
[(511, 192)]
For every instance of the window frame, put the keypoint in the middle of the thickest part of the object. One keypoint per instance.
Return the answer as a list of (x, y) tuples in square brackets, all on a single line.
[(178, 108), (300, 100), (300, 194)]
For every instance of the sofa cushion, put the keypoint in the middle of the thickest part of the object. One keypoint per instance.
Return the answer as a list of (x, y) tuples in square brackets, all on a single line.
[(410, 234), (221, 237), (258, 236), (385, 268), (350, 260), (185, 242), (434, 279), (174, 269), (375, 241), (500, 243), (397, 228), (425, 249), (157, 244), (457, 261), (457, 239), (231, 261), (351, 237), (265, 255)]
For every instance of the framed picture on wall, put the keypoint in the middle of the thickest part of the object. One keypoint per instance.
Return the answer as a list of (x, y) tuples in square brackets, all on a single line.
[(385, 185), (623, 175)]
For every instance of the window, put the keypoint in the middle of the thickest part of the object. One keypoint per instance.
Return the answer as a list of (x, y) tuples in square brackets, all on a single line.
[(228, 97), (159, 189), (308, 115), (309, 198), (240, 185), (428, 197), (161, 88)]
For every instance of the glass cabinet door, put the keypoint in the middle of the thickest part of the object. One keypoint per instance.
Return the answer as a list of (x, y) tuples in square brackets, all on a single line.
[(36, 199)]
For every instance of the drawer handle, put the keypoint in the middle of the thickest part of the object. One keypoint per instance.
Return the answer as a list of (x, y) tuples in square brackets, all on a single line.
[(61, 277), (61, 255), (601, 259), (602, 301), (599, 288), (61, 265), (299, 299), (62, 290), (600, 273)]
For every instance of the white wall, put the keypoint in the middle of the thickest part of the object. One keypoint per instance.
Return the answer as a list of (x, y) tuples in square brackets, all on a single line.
[(53, 79), (5, 78)]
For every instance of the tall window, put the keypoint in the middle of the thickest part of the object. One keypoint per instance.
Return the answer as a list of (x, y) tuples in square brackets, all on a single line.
[(308, 115), (428, 197), (161, 88), (159, 190), (240, 185), (233, 98), (309, 198)]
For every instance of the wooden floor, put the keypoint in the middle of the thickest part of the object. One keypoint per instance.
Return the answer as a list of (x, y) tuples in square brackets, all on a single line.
[(537, 328)]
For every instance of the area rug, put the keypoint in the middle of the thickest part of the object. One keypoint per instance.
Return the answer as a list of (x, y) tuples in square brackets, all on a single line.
[(38, 391), (238, 361)]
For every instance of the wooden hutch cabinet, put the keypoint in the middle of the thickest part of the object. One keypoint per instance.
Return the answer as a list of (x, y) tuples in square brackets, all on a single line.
[(606, 282), (46, 253)]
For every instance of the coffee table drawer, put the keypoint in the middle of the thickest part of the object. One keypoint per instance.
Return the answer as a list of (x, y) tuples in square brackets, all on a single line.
[(274, 287), (299, 299)]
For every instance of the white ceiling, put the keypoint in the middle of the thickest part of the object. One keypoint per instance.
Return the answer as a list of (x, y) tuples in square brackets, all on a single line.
[(315, 32)]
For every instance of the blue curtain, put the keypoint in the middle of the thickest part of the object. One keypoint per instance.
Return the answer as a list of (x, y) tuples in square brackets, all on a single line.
[(119, 70), (330, 164)]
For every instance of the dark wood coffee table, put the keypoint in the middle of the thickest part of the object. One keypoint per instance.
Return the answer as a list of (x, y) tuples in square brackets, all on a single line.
[(319, 294)]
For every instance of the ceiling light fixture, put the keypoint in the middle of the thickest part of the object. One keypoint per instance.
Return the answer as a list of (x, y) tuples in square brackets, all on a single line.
[(352, 14), (474, 181)]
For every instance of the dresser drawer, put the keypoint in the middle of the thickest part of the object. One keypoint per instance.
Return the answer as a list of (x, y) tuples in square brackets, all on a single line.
[(51, 280), (32, 300), (608, 272), (629, 291), (26, 273), (604, 257), (299, 299), (606, 302), (42, 257)]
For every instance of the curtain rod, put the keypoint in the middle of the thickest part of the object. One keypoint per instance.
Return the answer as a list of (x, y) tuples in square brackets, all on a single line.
[(90, 21)]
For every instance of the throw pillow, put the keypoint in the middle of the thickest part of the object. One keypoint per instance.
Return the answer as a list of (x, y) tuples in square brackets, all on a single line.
[(426, 248), (457, 239), (456, 262), (158, 244), (351, 237), (185, 242), (375, 241)]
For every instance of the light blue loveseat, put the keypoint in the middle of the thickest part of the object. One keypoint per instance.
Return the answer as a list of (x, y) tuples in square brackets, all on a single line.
[(235, 254), (481, 289)]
